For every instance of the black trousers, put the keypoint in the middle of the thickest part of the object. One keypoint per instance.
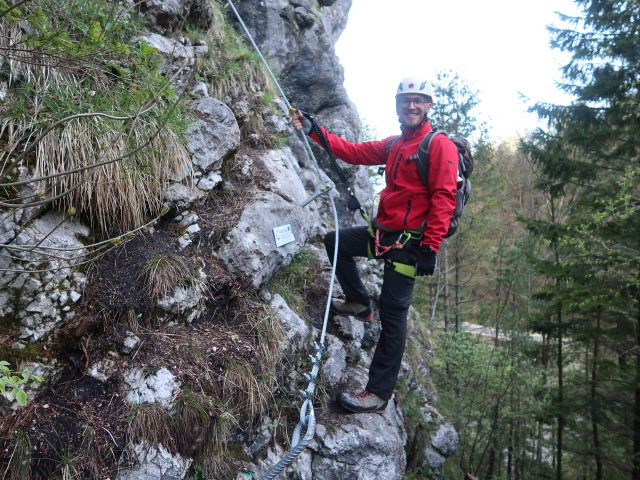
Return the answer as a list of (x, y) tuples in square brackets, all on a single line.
[(394, 302)]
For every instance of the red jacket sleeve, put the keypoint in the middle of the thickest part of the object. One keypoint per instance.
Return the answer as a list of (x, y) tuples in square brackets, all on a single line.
[(365, 153), (443, 174)]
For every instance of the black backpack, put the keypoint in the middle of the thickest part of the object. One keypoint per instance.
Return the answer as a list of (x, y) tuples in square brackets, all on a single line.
[(465, 168)]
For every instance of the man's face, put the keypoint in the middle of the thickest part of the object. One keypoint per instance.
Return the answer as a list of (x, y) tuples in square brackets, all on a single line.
[(412, 108)]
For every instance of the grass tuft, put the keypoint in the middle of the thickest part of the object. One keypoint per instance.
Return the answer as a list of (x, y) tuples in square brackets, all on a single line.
[(163, 273), (238, 73), (237, 69), (20, 462), (150, 423), (121, 195), (296, 280), (192, 420), (243, 389)]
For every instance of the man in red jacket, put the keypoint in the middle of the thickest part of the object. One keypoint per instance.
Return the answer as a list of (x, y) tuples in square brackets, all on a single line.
[(411, 222)]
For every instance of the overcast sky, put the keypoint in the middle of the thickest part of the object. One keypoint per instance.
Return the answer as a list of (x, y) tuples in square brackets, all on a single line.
[(499, 47)]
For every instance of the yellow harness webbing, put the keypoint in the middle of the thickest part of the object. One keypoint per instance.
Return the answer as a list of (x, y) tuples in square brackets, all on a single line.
[(378, 251)]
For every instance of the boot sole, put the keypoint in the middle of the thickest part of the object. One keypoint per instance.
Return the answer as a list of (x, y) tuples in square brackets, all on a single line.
[(355, 409), (382, 410), (365, 316)]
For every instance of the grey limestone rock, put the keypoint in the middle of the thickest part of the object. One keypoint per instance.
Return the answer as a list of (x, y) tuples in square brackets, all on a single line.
[(360, 446), (250, 248), (446, 440), (158, 387), (335, 361), (178, 55), (213, 136), (296, 331), (39, 289), (167, 16), (155, 462), (187, 301)]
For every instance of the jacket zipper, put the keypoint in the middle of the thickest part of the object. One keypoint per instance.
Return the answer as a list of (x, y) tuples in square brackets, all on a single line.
[(395, 171), (406, 216)]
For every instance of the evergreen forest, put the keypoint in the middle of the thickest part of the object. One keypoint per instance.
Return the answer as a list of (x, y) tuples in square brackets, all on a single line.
[(547, 262)]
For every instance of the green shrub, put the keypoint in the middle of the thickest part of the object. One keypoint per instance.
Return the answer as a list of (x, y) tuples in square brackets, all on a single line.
[(12, 382)]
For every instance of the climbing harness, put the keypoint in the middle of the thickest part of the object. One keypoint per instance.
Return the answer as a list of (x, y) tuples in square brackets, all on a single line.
[(379, 250), (307, 416), (398, 244)]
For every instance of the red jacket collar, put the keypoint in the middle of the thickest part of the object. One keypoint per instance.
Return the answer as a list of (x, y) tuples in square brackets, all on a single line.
[(419, 131)]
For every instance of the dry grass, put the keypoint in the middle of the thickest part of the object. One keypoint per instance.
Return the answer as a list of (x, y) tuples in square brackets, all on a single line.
[(131, 320), (150, 423), (269, 331), (243, 389), (20, 462), (237, 73), (192, 420), (217, 456), (119, 195), (216, 463), (163, 273), (93, 453), (203, 421), (236, 69), (87, 162), (249, 388)]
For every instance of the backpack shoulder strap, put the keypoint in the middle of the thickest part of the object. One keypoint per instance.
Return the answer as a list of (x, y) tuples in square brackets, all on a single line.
[(422, 157), (392, 143)]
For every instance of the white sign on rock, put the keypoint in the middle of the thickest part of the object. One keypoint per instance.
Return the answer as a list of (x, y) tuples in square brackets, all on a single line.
[(283, 235)]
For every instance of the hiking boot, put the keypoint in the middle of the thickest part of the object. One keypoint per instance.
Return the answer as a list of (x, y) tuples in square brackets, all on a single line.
[(354, 309), (365, 401)]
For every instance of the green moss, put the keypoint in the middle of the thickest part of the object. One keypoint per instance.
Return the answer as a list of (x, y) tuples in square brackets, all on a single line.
[(234, 450), (31, 352), (295, 281), (9, 325)]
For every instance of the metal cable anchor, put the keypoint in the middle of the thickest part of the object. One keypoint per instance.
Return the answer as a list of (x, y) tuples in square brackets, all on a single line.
[(323, 189)]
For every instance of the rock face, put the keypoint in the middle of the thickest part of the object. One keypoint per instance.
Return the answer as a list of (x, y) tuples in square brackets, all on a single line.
[(299, 41), (213, 135), (156, 462), (158, 388), (250, 248), (42, 294), (368, 445), (167, 16), (298, 37)]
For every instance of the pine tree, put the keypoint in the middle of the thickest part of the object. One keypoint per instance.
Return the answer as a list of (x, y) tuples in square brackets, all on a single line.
[(590, 155)]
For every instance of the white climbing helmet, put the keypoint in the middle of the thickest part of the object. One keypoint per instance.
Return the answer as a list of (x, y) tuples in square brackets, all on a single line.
[(415, 85)]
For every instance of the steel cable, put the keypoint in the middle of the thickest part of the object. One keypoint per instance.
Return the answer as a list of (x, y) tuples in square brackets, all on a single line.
[(307, 416)]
